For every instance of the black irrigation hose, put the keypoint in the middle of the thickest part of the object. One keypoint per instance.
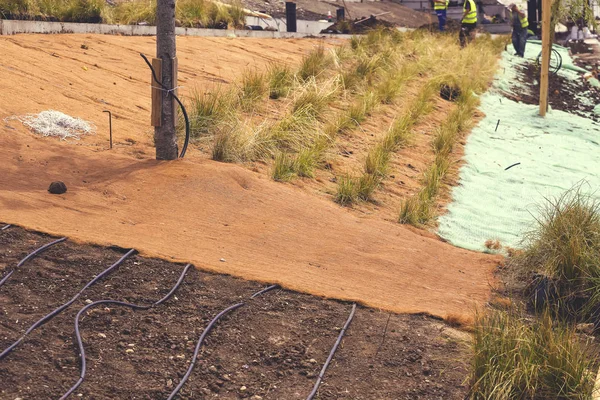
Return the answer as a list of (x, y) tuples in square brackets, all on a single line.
[(205, 333), (559, 59), (117, 303), (185, 115), (510, 166), (54, 313), (29, 257), (333, 350), (265, 290), (5, 227), (199, 345)]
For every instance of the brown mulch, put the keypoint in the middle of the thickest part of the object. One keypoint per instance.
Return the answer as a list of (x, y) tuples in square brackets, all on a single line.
[(563, 94)]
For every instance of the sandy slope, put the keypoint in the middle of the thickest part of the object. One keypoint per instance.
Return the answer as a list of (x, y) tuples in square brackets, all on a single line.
[(197, 210)]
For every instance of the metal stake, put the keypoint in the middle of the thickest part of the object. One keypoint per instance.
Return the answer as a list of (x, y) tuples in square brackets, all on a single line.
[(109, 125)]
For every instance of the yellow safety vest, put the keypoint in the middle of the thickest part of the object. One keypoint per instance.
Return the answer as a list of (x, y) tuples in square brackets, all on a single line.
[(524, 22), (440, 5), (471, 17)]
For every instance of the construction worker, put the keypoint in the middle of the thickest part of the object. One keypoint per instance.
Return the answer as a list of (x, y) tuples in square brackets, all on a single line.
[(468, 22), (519, 30), (440, 7)]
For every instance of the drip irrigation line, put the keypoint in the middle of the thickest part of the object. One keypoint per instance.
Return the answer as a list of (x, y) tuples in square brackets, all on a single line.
[(510, 166), (206, 331), (333, 350), (185, 115), (498, 123), (82, 359), (5, 227), (199, 345), (57, 311), (265, 290), (30, 256)]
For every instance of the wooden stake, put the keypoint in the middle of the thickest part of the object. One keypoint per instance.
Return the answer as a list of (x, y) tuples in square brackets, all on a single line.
[(546, 49), (156, 114)]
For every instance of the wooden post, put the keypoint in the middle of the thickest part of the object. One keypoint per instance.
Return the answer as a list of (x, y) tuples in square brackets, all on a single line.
[(165, 136), (546, 49), (157, 93)]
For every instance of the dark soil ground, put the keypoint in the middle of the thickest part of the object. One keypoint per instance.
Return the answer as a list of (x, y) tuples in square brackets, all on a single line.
[(563, 94), (272, 348)]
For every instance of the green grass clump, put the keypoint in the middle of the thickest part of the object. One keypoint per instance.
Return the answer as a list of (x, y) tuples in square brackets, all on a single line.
[(314, 98), (210, 109), (314, 64), (347, 191), (565, 248), (377, 161), (516, 359), (252, 90), (285, 167), (280, 78)]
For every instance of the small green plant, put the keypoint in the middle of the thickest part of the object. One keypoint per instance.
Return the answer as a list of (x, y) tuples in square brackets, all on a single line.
[(285, 167), (415, 210), (253, 89), (377, 161), (306, 161), (313, 98), (314, 64), (366, 186), (210, 109), (347, 191), (280, 80), (518, 359)]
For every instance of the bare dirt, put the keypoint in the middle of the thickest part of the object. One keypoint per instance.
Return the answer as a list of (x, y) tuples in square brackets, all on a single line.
[(272, 348), (195, 209)]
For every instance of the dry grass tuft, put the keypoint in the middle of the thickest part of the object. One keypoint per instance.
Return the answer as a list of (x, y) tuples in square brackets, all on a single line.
[(518, 359)]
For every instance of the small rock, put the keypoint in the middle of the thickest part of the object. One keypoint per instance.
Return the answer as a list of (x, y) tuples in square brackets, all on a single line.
[(102, 335), (226, 378), (222, 260), (131, 345), (57, 187), (243, 389), (88, 301), (169, 383), (129, 351), (212, 369), (312, 361), (256, 397)]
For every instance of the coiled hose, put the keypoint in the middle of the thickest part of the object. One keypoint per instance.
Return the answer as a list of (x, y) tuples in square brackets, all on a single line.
[(206, 332), (185, 115), (30, 256), (331, 353), (57, 311), (116, 303)]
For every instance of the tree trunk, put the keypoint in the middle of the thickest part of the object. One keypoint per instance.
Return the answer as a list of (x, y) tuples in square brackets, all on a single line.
[(165, 137)]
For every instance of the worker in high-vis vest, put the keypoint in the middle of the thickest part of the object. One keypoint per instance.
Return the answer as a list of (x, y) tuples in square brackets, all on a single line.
[(440, 7), (519, 30), (468, 23)]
